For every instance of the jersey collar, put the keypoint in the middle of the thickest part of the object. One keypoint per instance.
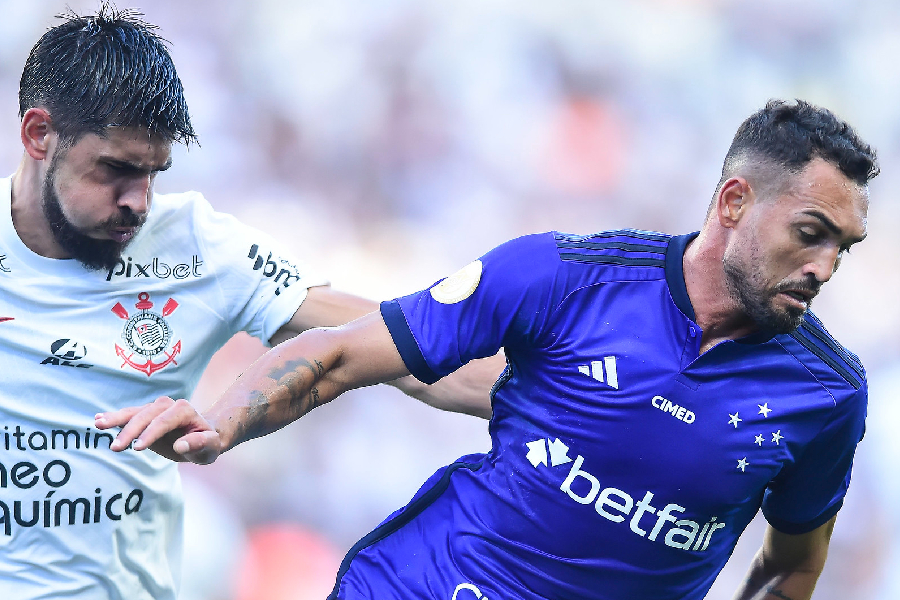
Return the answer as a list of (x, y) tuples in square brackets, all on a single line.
[(675, 273), (678, 289)]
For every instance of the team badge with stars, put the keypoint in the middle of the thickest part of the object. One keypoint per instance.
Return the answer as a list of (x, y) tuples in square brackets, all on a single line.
[(147, 334), (759, 440)]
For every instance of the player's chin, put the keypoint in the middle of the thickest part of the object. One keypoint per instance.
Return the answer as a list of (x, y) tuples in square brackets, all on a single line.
[(785, 320)]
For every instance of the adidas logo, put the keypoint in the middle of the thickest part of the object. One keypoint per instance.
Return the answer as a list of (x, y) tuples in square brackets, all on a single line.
[(602, 370)]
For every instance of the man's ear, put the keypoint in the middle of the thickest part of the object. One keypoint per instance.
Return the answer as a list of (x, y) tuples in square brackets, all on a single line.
[(37, 133), (732, 200)]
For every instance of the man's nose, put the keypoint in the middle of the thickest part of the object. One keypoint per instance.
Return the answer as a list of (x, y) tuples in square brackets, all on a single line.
[(824, 264), (136, 194)]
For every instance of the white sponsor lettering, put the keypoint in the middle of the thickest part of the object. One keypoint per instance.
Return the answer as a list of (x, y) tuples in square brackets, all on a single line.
[(679, 412), (617, 505)]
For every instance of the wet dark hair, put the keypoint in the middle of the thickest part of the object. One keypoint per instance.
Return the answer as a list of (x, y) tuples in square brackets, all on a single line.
[(790, 135), (109, 69)]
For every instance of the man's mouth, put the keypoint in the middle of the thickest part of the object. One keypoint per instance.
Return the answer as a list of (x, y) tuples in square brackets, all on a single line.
[(122, 234), (801, 298)]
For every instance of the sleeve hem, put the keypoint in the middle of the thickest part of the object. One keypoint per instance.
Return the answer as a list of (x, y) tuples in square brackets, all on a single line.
[(406, 343), (800, 528)]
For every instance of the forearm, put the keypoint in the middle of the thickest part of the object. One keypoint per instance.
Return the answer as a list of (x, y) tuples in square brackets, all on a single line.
[(773, 584), (298, 375), (284, 384)]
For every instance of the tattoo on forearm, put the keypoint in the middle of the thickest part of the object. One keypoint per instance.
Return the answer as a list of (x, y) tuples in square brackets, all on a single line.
[(257, 411), (773, 591), (292, 366), (292, 376)]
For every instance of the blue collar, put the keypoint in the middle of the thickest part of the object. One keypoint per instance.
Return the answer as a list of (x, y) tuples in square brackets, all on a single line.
[(678, 289)]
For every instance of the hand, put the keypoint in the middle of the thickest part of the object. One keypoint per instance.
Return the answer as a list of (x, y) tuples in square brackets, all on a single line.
[(171, 428)]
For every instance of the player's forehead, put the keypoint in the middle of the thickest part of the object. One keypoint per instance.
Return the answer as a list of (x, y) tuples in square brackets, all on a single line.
[(822, 192), (132, 146)]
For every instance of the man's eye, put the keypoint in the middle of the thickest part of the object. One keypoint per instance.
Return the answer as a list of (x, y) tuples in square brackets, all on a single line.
[(808, 235), (120, 169)]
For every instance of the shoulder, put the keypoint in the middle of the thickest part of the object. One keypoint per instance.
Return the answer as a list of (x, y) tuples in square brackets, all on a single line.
[(179, 205), (622, 247), (190, 213), (580, 260), (832, 364), (622, 254)]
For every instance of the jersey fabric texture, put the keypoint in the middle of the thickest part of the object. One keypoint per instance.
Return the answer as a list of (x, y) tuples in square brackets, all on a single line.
[(624, 464), (76, 519)]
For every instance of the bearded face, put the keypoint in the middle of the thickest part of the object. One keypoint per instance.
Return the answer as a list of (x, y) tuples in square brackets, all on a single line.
[(751, 288), (95, 254)]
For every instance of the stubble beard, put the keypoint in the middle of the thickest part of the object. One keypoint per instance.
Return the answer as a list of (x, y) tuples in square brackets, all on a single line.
[(748, 289), (93, 254)]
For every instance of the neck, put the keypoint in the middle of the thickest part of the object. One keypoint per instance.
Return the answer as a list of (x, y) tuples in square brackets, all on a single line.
[(716, 312), (28, 214)]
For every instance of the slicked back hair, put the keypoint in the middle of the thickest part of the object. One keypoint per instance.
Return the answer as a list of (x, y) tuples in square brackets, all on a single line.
[(783, 137), (109, 69)]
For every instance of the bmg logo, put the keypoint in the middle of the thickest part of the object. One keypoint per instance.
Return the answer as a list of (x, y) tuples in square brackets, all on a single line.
[(271, 268)]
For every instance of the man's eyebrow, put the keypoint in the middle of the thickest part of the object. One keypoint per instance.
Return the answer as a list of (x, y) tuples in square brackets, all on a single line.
[(136, 167), (832, 226)]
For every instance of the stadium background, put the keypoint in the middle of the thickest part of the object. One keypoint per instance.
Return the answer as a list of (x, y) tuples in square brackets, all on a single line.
[(390, 142)]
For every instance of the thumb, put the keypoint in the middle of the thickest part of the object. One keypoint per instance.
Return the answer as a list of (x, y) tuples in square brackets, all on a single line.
[(200, 447)]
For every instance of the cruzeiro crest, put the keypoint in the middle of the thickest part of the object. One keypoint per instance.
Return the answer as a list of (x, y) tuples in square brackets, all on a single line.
[(147, 335)]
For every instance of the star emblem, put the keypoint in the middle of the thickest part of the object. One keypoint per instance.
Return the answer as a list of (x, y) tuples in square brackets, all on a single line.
[(764, 409), (759, 440), (743, 464), (777, 437), (734, 419)]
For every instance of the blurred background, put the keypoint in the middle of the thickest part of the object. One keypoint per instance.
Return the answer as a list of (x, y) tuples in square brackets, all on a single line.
[(390, 142)]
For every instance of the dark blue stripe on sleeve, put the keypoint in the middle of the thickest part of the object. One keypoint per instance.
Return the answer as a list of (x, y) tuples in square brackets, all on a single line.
[(406, 343), (798, 528)]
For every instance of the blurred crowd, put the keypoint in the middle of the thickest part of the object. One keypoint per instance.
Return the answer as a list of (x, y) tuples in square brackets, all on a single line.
[(389, 142)]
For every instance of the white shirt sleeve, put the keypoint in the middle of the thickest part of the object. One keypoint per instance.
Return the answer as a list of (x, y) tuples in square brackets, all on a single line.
[(260, 284)]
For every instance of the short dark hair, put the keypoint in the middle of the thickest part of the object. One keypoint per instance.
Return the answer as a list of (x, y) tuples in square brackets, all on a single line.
[(103, 70), (790, 135)]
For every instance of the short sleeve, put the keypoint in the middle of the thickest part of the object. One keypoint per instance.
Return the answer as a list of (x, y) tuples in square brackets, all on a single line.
[(501, 299), (261, 284), (811, 490)]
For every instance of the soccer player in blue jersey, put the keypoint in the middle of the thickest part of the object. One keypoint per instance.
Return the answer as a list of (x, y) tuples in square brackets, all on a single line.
[(660, 390)]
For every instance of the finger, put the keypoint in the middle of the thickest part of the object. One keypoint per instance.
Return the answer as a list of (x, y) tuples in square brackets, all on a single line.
[(115, 418), (180, 415), (200, 447), (139, 421)]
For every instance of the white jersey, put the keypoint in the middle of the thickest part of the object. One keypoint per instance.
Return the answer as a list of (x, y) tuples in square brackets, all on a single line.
[(76, 519)]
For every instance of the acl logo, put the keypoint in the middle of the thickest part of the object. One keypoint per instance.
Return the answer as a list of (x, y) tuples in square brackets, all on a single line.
[(475, 592), (66, 353)]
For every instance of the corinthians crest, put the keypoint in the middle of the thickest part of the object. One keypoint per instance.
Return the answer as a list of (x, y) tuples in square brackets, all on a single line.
[(147, 335)]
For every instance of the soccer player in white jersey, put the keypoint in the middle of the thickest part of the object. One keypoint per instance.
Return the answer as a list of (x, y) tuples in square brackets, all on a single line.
[(661, 391), (111, 294)]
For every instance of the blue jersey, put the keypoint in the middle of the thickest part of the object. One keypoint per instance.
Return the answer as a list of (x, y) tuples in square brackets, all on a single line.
[(624, 464)]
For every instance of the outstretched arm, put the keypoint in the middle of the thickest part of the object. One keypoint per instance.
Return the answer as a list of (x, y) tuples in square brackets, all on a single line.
[(283, 385), (465, 391), (787, 566)]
